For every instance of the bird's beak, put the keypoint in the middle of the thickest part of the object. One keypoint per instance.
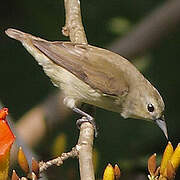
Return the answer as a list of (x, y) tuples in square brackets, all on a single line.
[(162, 124)]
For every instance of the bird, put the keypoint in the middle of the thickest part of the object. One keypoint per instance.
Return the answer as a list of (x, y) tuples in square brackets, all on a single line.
[(95, 76)]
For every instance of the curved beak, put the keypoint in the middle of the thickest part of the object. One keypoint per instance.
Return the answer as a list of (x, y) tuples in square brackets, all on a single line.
[(162, 124)]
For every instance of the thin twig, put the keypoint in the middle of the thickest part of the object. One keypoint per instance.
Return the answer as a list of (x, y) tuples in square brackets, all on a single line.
[(59, 160), (83, 150)]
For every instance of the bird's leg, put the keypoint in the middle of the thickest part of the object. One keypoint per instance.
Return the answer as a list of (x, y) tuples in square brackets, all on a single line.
[(86, 118), (70, 102)]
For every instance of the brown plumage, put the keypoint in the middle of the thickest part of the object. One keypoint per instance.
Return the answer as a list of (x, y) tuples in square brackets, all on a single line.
[(89, 64)]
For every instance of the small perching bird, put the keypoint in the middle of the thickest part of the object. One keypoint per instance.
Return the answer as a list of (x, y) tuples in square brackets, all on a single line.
[(95, 76)]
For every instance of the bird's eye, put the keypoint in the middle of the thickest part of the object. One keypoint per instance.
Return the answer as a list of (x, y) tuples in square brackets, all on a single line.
[(150, 108)]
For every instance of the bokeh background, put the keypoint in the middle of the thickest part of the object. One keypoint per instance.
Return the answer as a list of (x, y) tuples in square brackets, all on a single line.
[(24, 84)]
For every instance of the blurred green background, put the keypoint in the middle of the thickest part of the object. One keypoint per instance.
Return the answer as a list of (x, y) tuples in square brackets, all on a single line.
[(24, 84)]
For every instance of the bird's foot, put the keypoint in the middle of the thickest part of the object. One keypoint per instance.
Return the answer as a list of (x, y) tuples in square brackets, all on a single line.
[(86, 118)]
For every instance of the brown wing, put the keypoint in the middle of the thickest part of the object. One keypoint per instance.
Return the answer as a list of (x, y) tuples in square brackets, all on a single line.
[(88, 63)]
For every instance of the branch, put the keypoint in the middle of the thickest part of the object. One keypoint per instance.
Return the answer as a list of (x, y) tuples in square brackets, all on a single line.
[(75, 30), (73, 27), (85, 144)]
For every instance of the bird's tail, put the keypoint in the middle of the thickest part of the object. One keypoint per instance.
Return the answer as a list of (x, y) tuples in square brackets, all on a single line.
[(20, 36), (27, 41), (15, 34)]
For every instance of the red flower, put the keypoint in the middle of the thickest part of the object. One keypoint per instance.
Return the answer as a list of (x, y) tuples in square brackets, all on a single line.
[(6, 136), (6, 140)]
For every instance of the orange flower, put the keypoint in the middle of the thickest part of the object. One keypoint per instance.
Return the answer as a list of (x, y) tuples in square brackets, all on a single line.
[(6, 140)]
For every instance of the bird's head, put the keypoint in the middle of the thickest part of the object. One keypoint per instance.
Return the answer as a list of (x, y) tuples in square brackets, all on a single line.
[(145, 102)]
